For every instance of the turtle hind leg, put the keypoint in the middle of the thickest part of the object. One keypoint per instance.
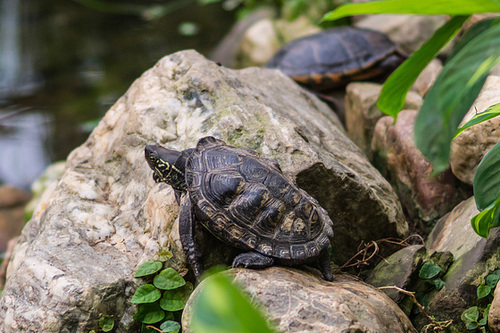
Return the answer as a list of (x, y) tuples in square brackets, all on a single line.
[(252, 260), (324, 264)]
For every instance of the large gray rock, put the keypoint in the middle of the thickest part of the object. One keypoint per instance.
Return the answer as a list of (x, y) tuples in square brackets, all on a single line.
[(76, 257), (296, 301)]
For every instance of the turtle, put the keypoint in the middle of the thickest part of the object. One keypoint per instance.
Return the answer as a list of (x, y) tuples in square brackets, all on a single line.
[(333, 57), (245, 201)]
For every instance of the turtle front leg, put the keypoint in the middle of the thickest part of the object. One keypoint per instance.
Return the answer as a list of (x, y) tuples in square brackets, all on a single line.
[(186, 232), (252, 260)]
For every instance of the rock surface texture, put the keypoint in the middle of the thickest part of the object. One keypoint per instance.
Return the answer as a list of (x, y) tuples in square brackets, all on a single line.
[(467, 150), (425, 199), (299, 302), (76, 258)]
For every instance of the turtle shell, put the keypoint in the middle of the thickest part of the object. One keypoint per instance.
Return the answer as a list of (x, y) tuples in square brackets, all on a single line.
[(335, 56), (246, 201)]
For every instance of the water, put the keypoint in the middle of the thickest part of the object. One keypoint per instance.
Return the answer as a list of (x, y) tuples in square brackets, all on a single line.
[(63, 65)]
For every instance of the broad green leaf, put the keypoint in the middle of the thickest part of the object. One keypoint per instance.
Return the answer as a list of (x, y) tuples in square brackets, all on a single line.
[(168, 279), (486, 182), (146, 294), (481, 223), (149, 313), (429, 270), (220, 307), (422, 7), (471, 326), (106, 323), (452, 95), (489, 113), (483, 291), (483, 321), (472, 33), (170, 326), (470, 314), (148, 268), (492, 280), (175, 299), (395, 88)]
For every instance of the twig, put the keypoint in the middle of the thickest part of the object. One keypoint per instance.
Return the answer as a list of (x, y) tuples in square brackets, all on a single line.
[(436, 326), (363, 250)]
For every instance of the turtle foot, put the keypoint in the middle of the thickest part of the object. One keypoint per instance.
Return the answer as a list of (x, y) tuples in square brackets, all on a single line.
[(252, 260)]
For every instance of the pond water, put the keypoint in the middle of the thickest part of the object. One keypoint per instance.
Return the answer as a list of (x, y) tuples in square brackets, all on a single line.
[(63, 65)]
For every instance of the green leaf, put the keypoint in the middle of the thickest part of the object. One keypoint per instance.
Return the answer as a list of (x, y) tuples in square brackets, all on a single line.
[(487, 219), (483, 321), (175, 300), (429, 270), (438, 283), (106, 323), (452, 95), (220, 307), (148, 268), (164, 255), (422, 7), (470, 315), (483, 291), (472, 33), (393, 94), (486, 182), (168, 279), (170, 326), (492, 280), (472, 326), (149, 313), (489, 113), (146, 294)]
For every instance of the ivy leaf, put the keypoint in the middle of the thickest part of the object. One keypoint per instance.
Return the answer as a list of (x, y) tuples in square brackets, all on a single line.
[(149, 313), (146, 294), (106, 323), (492, 280), (470, 315), (170, 326), (148, 268), (175, 299), (438, 283), (168, 279), (483, 291), (429, 270)]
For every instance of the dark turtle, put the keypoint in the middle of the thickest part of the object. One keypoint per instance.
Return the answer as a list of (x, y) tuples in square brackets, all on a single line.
[(245, 201), (336, 56)]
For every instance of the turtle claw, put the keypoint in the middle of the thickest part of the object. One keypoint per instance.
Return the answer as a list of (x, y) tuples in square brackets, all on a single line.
[(252, 260)]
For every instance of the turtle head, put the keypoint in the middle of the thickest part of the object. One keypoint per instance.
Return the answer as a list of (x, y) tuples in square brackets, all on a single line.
[(163, 163)]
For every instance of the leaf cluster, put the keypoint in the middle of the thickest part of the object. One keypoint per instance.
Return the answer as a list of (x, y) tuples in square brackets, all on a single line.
[(476, 317), (161, 300), (453, 92)]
